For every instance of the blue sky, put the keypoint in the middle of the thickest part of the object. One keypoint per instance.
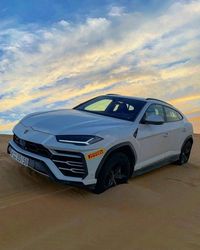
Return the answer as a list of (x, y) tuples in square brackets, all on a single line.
[(55, 54), (45, 12)]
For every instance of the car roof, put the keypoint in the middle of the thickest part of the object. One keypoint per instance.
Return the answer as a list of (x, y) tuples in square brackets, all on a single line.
[(128, 97), (149, 99)]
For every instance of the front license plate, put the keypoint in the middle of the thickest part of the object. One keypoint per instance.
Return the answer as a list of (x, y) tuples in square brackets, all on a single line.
[(20, 158)]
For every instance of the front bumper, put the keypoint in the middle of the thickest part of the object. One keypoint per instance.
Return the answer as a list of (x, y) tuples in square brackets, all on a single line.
[(47, 167)]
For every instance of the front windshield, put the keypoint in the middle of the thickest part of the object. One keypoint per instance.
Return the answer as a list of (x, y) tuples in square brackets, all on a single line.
[(113, 106)]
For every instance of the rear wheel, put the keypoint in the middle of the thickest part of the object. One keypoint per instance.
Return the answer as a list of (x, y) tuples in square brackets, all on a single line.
[(116, 170), (185, 153)]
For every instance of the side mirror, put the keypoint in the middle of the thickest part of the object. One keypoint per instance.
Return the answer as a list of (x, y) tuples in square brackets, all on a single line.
[(154, 120)]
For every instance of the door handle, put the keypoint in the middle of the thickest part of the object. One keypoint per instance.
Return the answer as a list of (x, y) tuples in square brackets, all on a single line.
[(183, 129), (165, 135)]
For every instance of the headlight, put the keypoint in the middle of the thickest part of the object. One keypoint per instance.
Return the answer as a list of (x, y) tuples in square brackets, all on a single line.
[(80, 140)]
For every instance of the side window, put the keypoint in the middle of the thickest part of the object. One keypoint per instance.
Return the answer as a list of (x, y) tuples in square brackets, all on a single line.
[(172, 115), (155, 109)]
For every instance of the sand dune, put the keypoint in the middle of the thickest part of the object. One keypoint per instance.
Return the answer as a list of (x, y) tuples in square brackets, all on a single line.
[(159, 210)]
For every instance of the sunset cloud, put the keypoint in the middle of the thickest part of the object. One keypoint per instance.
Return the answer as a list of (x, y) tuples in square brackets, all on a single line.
[(123, 51)]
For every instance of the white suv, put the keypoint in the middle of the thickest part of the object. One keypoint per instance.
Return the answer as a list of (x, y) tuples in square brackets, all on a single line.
[(102, 142)]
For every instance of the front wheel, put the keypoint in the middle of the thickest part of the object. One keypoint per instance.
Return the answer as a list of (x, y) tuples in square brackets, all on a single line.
[(116, 170), (185, 153)]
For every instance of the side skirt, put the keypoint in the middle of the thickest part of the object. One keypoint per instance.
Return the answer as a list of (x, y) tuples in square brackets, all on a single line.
[(156, 165)]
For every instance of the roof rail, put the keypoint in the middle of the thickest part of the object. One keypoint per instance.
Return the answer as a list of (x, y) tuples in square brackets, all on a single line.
[(154, 99), (111, 94)]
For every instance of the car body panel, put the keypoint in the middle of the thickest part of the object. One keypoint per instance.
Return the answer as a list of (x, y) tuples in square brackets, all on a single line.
[(153, 144), (70, 121)]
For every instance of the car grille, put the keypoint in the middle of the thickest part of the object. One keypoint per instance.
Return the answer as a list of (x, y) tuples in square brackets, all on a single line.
[(69, 163), (32, 147)]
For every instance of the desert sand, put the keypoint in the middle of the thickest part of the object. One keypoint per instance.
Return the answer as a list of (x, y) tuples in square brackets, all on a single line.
[(159, 210)]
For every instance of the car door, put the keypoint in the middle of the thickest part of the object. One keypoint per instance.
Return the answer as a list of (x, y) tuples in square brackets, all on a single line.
[(176, 129), (152, 139)]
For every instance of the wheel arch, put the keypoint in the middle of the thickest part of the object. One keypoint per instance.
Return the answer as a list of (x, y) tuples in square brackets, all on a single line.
[(126, 148), (189, 138)]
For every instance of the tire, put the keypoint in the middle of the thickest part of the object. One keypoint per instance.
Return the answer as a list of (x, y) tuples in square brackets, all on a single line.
[(185, 153), (116, 170)]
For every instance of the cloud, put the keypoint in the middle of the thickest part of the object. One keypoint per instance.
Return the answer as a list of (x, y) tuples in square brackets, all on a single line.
[(116, 11), (186, 98), (6, 126), (128, 53)]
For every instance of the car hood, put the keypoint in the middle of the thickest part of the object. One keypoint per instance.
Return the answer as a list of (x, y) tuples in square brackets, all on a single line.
[(70, 121)]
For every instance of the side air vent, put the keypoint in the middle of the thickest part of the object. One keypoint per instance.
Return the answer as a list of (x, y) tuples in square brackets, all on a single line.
[(73, 165)]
